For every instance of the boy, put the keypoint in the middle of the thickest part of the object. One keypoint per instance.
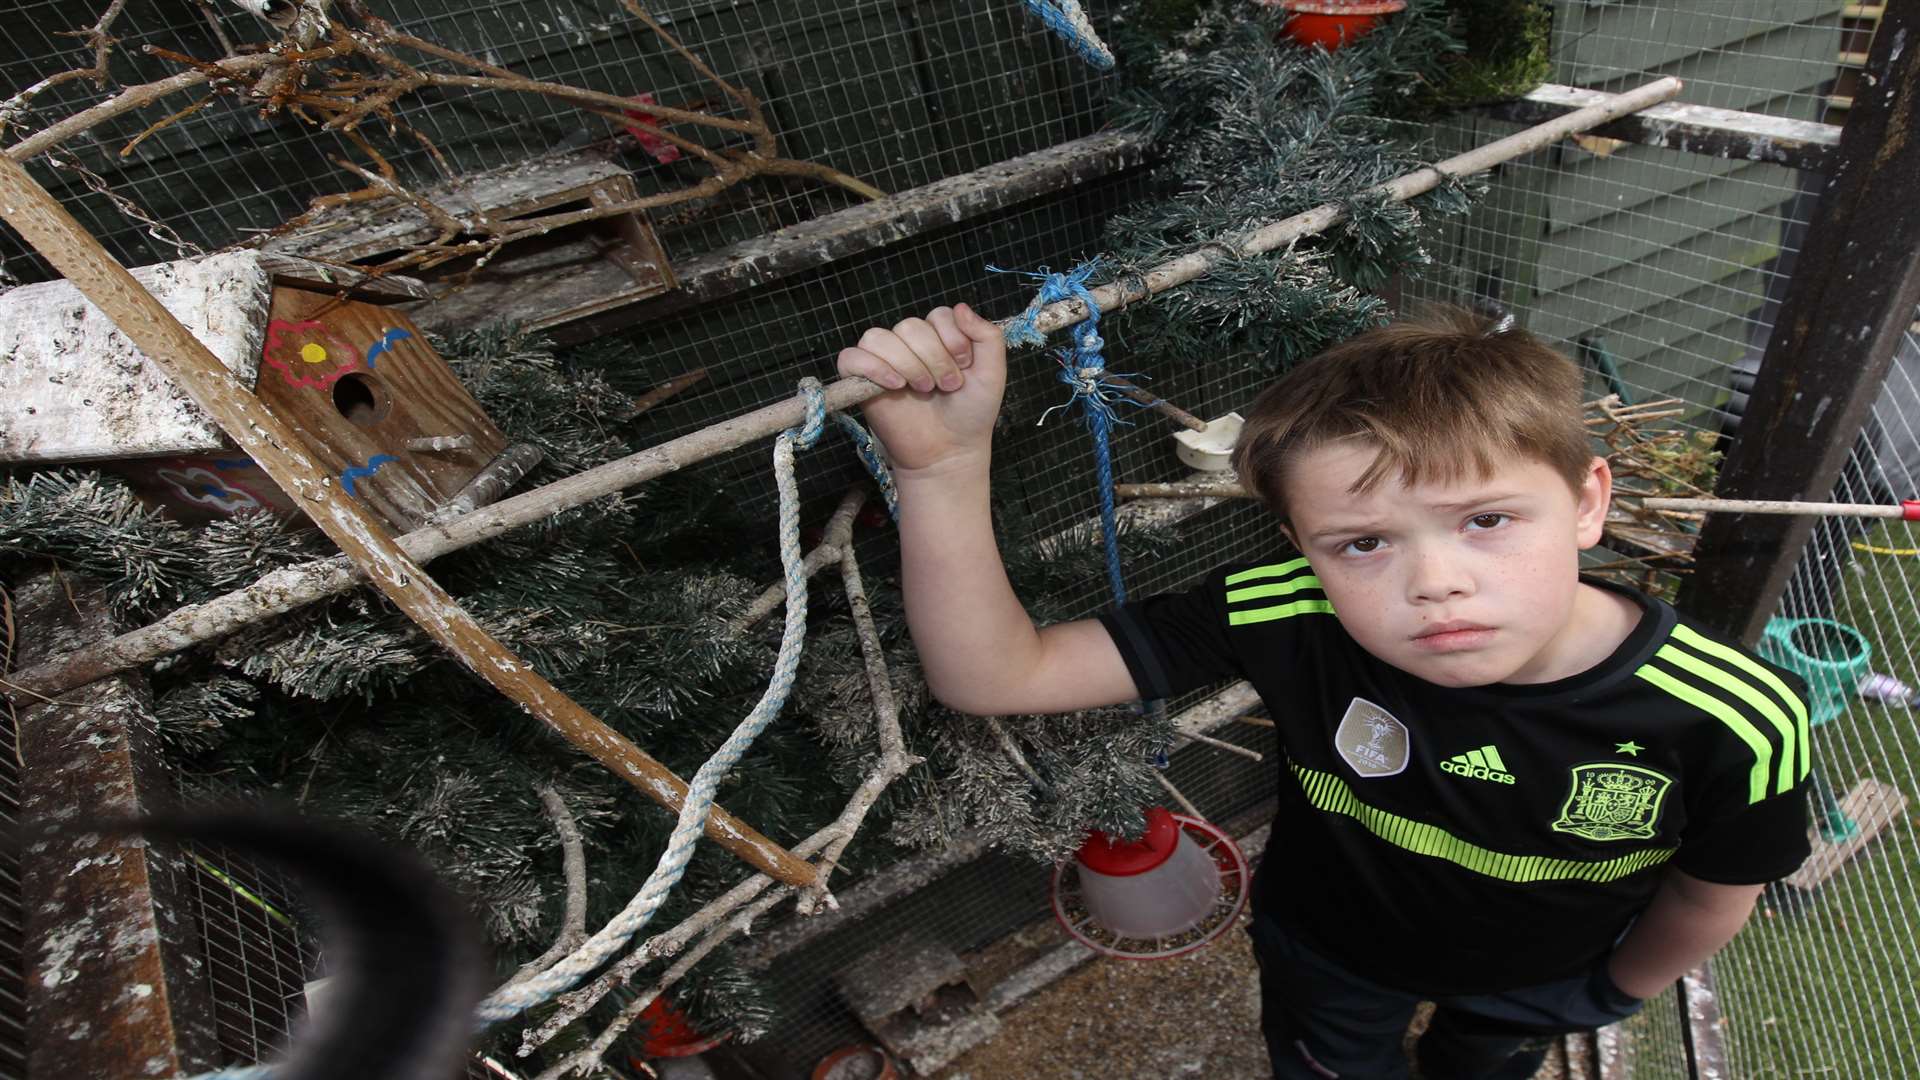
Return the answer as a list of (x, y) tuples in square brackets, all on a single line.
[(1530, 797)]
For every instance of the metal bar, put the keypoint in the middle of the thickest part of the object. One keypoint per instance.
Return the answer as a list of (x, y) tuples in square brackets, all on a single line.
[(1851, 298), (1698, 129)]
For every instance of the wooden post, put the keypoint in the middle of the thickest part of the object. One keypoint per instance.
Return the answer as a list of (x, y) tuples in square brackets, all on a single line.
[(41, 220), (114, 970), (1851, 298)]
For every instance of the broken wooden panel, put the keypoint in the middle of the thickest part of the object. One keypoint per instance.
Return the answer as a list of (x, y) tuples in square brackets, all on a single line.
[(116, 982), (77, 390), (620, 254), (917, 999)]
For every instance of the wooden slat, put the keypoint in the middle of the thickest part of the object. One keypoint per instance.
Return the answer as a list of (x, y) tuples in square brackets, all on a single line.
[(1697, 128), (806, 246)]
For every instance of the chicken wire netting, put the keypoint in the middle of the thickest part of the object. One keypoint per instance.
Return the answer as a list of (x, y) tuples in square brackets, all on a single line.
[(1658, 269)]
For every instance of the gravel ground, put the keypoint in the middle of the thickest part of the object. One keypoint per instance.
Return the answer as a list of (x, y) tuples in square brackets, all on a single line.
[(1192, 1016)]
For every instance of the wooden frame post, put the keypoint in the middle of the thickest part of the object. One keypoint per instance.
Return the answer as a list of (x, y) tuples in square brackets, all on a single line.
[(1851, 298)]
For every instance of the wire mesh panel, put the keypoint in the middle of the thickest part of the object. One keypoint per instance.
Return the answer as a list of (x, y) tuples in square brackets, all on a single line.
[(1654, 267), (897, 94), (1661, 272), (257, 959)]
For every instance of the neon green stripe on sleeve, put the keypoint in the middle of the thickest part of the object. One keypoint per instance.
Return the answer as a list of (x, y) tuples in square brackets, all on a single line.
[(1747, 692), (1726, 714), (1282, 611), (1271, 571), (1274, 588), (1694, 639)]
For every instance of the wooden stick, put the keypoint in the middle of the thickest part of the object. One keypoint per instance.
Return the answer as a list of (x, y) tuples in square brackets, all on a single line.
[(1177, 797), (1256, 721), (1785, 506), (276, 446), (294, 587), (1160, 405), (666, 390), (1114, 296), (1183, 489), (1222, 744)]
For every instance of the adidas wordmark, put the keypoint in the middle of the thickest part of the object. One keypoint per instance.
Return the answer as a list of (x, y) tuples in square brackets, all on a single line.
[(1481, 764)]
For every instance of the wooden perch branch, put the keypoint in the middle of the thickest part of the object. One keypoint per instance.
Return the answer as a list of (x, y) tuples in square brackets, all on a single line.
[(336, 97), (573, 925), (267, 439)]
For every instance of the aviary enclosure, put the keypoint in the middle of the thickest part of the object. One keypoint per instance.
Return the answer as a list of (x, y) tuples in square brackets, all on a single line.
[(585, 254)]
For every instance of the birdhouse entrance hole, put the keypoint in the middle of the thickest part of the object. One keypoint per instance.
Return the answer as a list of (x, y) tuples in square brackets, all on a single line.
[(361, 400)]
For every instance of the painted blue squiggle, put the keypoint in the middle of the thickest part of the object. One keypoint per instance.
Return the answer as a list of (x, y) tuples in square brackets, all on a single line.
[(386, 343), (354, 472)]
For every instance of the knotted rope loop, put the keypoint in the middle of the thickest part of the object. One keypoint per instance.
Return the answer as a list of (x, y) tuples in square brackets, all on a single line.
[(1021, 329)]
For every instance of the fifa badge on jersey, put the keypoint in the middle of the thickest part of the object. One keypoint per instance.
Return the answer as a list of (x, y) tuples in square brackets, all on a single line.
[(1610, 801), (1372, 740)]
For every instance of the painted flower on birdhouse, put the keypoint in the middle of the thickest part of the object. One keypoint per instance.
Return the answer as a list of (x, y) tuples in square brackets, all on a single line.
[(308, 354)]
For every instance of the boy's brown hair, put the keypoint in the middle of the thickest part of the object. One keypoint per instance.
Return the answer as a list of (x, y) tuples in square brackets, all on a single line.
[(1443, 394)]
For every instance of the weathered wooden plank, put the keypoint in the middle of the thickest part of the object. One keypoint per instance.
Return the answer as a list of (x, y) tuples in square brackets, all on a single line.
[(1698, 129), (382, 226), (75, 388), (1851, 298), (115, 977)]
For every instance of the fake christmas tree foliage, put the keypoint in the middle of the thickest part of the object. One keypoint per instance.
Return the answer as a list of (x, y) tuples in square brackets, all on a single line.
[(1250, 128)]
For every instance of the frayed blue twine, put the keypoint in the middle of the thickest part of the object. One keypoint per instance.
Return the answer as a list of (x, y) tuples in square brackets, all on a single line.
[(1067, 19)]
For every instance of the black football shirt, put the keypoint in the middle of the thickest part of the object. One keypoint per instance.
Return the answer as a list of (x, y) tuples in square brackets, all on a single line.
[(1468, 840)]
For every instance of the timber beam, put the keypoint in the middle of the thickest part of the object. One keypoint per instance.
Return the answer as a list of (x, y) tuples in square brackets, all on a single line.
[(1698, 129)]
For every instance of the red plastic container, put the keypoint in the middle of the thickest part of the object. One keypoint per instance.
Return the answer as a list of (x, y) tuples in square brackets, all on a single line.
[(1156, 886), (1333, 23), (665, 1032)]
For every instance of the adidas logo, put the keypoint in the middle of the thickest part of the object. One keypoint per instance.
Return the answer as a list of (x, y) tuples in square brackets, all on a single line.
[(1481, 764)]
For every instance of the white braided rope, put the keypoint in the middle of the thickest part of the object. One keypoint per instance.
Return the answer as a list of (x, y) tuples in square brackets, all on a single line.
[(515, 998)]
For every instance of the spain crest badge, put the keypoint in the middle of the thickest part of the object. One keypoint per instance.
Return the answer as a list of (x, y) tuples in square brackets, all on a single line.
[(1611, 801)]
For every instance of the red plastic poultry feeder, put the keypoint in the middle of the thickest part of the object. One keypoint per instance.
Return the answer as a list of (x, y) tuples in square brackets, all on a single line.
[(1333, 23)]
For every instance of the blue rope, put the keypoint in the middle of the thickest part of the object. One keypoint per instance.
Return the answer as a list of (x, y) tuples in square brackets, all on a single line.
[(1067, 19), (874, 457), (1081, 367)]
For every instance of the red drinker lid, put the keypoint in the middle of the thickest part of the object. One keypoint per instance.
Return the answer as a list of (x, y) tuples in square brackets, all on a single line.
[(1126, 859)]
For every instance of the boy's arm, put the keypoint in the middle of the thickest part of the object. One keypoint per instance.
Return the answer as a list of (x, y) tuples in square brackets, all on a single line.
[(980, 651), (1688, 921)]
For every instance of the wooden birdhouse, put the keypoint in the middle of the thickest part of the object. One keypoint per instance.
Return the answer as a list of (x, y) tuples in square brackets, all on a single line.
[(374, 405)]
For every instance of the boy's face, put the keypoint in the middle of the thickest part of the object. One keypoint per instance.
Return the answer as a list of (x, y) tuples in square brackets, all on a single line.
[(1461, 584)]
